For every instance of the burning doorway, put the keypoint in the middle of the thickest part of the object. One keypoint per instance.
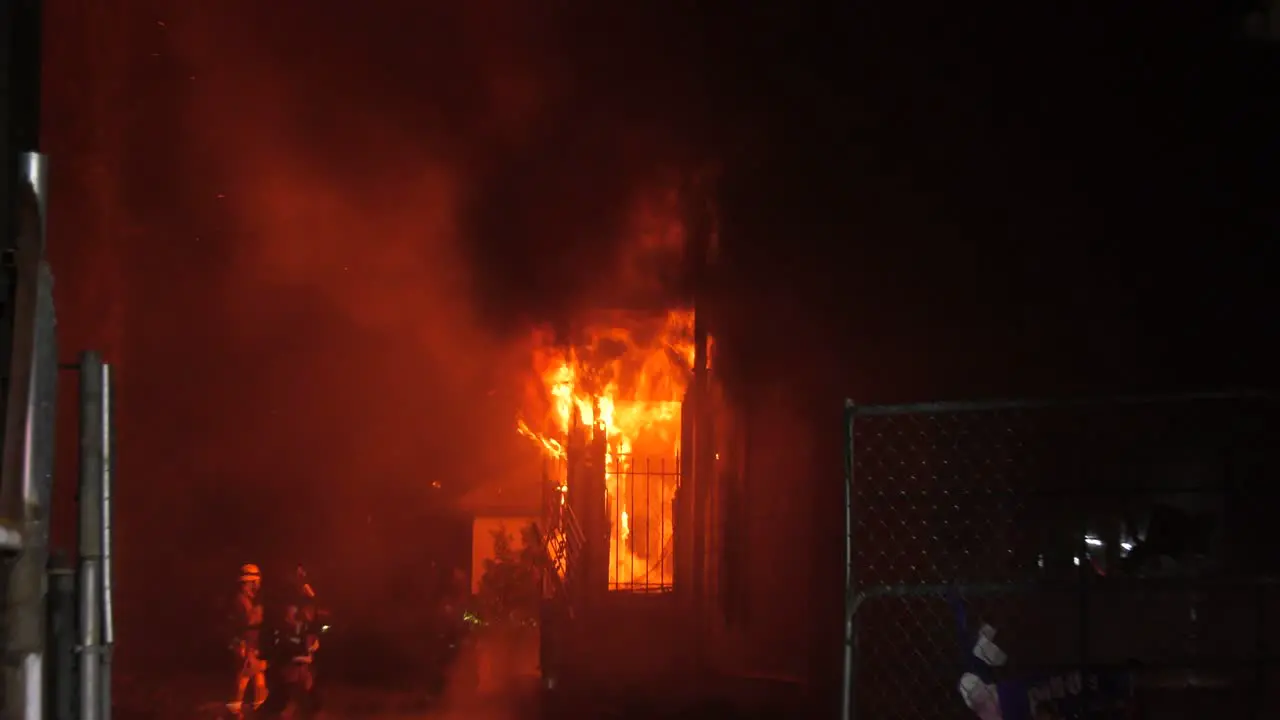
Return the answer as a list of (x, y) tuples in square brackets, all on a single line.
[(610, 399)]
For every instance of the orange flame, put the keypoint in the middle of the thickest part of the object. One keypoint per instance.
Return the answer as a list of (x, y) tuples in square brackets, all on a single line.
[(629, 383)]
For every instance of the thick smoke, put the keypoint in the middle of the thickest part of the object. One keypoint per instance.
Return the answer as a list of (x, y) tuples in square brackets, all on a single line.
[(380, 206)]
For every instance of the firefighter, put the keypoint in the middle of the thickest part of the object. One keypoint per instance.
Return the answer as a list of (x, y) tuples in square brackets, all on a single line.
[(301, 587), (248, 614), (316, 621), (297, 596), (296, 645)]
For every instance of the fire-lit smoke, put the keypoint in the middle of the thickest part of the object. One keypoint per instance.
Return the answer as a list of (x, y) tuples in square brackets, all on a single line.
[(336, 200), (372, 204), (357, 181), (421, 182)]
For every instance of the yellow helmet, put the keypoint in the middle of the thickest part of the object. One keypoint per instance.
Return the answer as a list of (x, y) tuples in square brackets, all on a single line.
[(250, 573)]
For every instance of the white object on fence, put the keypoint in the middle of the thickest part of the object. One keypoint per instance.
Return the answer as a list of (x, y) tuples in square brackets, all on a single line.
[(986, 650), (981, 698)]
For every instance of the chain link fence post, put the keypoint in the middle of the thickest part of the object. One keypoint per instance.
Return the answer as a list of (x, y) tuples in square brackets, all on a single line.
[(848, 708)]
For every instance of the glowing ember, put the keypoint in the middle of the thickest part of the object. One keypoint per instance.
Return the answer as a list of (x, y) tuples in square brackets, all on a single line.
[(628, 383)]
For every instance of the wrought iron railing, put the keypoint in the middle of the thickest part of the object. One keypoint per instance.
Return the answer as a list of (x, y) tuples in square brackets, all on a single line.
[(638, 527), (639, 492)]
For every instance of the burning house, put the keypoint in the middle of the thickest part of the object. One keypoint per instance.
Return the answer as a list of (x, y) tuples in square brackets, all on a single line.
[(648, 508), (613, 434), (617, 395)]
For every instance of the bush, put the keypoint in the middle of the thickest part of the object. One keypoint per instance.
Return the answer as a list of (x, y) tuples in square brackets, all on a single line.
[(510, 588)]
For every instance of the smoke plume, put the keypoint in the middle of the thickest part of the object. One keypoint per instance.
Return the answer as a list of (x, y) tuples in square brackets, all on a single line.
[(372, 212)]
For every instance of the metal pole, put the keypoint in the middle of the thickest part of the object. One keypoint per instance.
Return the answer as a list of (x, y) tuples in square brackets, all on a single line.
[(847, 709), (28, 456), (32, 368), (108, 485), (682, 509), (1084, 567), (702, 450), (90, 535), (62, 637)]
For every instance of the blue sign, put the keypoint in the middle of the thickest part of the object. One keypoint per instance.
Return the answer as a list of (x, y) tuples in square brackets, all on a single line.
[(1079, 695)]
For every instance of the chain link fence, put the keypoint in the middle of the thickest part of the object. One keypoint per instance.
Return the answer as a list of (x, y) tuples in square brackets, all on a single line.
[(1125, 538)]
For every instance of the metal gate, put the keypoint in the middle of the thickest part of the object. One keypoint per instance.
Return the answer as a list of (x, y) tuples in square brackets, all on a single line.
[(1113, 538), (641, 522)]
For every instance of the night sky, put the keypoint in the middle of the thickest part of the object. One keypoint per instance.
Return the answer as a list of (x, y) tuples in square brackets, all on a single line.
[(307, 233)]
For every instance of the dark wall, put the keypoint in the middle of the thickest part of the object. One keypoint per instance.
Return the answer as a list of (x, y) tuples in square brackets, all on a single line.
[(965, 203)]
